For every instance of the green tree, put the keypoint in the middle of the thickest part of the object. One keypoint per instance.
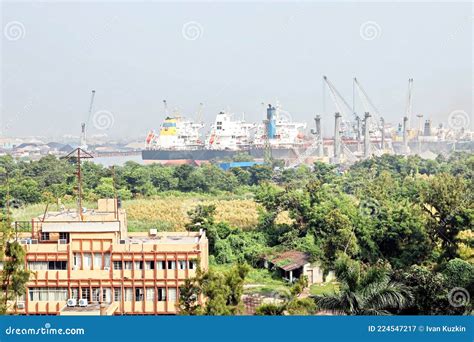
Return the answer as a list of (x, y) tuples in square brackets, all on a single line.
[(222, 292), (270, 309), (428, 288), (13, 276), (259, 174), (105, 188), (365, 290), (459, 273), (449, 203)]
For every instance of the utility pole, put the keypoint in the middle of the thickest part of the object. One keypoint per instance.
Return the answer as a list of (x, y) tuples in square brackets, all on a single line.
[(77, 155)]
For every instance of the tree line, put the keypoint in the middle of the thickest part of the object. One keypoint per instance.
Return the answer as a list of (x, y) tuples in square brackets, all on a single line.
[(396, 230)]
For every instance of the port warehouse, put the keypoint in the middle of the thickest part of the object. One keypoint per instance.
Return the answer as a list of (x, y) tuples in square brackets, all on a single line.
[(89, 264)]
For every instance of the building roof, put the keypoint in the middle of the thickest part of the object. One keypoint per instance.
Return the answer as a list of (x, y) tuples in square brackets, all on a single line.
[(90, 309), (289, 260)]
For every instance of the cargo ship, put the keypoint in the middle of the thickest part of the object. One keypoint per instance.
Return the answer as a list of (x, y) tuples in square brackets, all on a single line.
[(178, 140)]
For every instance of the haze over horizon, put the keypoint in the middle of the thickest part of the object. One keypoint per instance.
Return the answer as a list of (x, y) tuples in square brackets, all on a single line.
[(228, 56)]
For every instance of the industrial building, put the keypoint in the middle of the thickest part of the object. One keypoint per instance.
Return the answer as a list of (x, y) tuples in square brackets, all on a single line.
[(87, 263)]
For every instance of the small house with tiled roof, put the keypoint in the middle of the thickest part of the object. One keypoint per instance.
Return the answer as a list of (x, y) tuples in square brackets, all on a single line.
[(294, 264)]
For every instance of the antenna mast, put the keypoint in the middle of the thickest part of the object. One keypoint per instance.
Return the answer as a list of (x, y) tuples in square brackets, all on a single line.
[(79, 154)]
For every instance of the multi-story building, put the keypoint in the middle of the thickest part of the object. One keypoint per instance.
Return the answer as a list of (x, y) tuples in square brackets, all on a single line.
[(90, 257)]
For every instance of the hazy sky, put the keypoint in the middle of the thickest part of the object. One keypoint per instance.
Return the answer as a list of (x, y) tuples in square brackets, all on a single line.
[(228, 56)]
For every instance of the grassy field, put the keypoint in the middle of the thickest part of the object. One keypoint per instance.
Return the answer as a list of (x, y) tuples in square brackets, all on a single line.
[(261, 281), (169, 211), (325, 288)]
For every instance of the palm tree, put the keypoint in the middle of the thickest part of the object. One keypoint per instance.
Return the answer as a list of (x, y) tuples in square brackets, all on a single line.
[(365, 290)]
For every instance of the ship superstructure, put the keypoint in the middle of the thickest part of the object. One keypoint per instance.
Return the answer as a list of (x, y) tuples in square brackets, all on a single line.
[(176, 133), (279, 129), (178, 140), (229, 134)]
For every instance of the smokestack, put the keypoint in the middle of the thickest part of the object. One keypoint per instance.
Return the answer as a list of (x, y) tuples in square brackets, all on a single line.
[(366, 135), (337, 135), (271, 125), (405, 137), (319, 133)]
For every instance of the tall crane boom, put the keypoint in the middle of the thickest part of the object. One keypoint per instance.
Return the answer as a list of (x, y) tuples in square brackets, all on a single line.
[(91, 105), (83, 138), (337, 98), (368, 104)]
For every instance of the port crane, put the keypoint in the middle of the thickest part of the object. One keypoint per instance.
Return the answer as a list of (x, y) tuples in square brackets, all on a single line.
[(337, 98), (375, 120), (83, 141), (341, 104)]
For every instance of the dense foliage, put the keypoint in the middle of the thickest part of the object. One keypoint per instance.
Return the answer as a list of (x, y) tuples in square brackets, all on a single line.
[(411, 215)]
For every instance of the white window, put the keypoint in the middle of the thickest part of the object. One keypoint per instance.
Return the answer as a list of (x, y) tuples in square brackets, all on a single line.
[(138, 265), (75, 293), (161, 264), (97, 261), (43, 294), (37, 265), (149, 265), (57, 294), (77, 261), (192, 264), (127, 265), (95, 294), (171, 265), (128, 294), (107, 260), (172, 294), (182, 264), (52, 294), (87, 261), (150, 294), (117, 265), (106, 295), (117, 294)]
